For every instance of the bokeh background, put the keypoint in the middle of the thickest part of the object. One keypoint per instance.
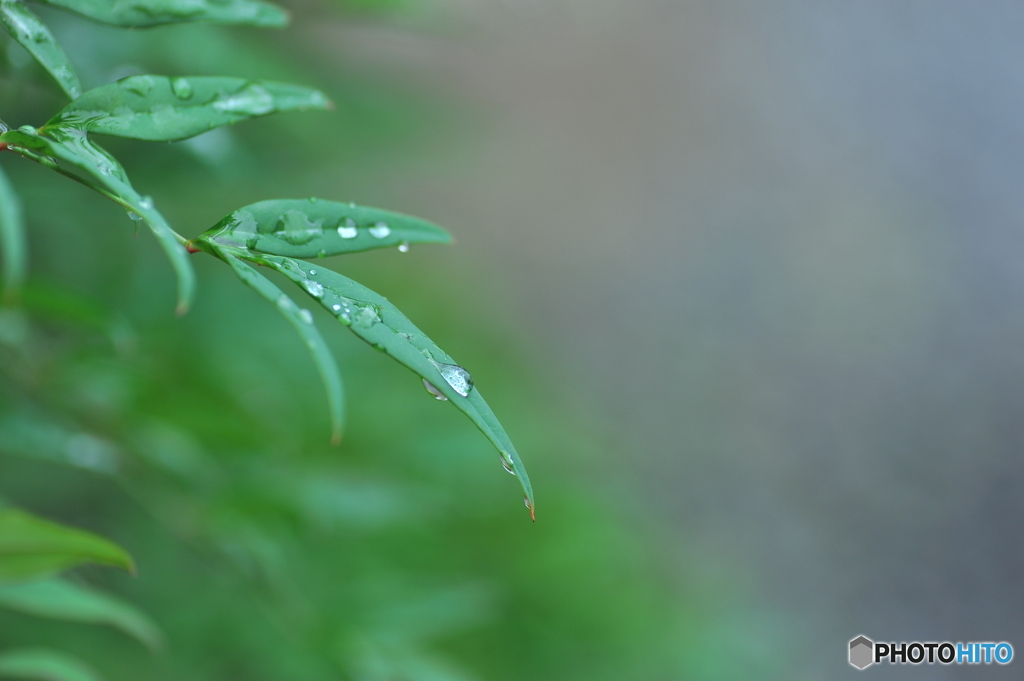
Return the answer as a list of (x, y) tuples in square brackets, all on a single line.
[(742, 280)]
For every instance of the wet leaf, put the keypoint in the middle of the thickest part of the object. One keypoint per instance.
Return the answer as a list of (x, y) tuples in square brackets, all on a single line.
[(140, 13), (308, 228), (375, 320), (40, 664), (163, 109), (64, 600), (72, 151), (302, 320), (12, 240), (32, 34), (31, 547)]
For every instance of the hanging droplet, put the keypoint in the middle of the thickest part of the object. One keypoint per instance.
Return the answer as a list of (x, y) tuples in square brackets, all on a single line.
[(380, 230), (403, 247), (347, 229), (432, 389), (458, 378), (313, 288), (306, 316), (181, 88), (134, 216), (506, 462)]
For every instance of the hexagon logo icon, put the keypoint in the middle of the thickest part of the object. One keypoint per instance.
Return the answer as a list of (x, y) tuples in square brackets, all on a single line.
[(861, 652)]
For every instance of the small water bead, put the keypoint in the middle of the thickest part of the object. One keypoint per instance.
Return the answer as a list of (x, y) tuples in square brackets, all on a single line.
[(403, 247), (312, 273), (313, 288), (181, 88), (380, 230), (347, 229), (146, 202), (506, 462), (432, 389), (306, 316), (458, 378)]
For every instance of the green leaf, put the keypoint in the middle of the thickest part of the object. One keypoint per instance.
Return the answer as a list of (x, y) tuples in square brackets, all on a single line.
[(163, 109), (64, 600), (140, 13), (67, 150), (308, 228), (40, 664), (371, 317), (12, 240), (32, 547), (302, 320), (26, 28)]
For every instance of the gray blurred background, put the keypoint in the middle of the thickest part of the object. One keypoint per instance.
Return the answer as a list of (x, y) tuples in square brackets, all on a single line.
[(770, 253)]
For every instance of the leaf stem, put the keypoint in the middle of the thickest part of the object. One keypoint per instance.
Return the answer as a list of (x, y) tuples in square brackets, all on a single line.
[(53, 165)]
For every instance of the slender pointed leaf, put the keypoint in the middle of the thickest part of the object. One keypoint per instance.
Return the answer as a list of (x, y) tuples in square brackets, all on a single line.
[(163, 109), (371, 317), (64, 600), (40, 664), (142, 13), (302, 320), (308, 228), (72, 150), (32, 547), (12, 239), (29, 30)]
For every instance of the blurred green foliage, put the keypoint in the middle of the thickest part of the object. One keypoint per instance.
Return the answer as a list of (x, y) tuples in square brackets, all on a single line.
[(201, 444)]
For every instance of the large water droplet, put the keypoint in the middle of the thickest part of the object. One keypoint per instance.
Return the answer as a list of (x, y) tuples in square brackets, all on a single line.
[(140, 85), (380, 230), (347, 229), (251, 100), (306, 316), (432, 389), (181, 88), (146, 202), (313, 288), (403, 247), (458, 378), (366, 316), (506, 461)]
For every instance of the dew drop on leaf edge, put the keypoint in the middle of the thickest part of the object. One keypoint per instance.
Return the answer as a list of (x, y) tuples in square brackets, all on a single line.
[(506, 462), (432, 389)]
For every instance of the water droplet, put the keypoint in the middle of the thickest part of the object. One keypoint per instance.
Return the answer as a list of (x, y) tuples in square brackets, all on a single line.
[(351, 204), (336, 307), (313, 288), (366, 316), (251, 100), (306, 316), (181, 88), (134, 216), (380, 230), (403, 247), (506, 462), (146, 202), (312, 273), (321, 253), (347, 229), (140, 85), (458, 378), (284, 302), (432, 389)]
